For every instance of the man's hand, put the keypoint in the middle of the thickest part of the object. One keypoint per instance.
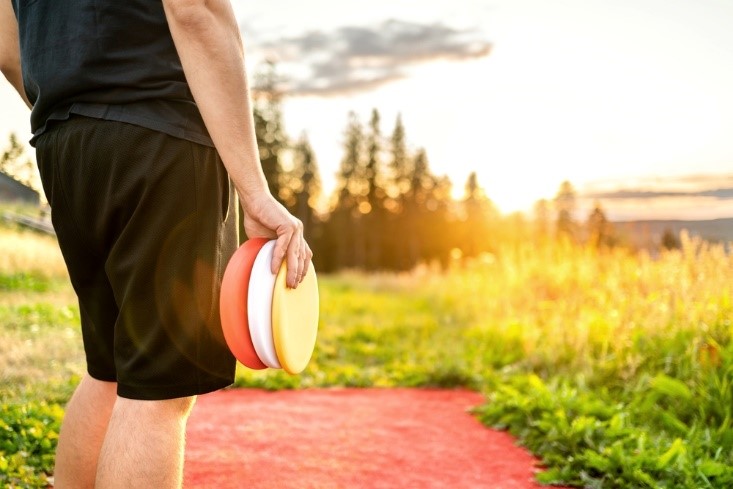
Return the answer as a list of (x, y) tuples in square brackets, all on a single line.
[(208, 42), (10, 50), (265, 216)]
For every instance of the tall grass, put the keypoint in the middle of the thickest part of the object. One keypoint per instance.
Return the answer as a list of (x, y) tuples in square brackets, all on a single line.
[(605, 314), (26, 256)]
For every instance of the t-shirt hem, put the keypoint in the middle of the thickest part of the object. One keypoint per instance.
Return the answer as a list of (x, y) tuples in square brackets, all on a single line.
[(105, 112)]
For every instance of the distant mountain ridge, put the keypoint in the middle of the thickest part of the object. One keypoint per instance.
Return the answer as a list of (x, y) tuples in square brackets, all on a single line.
[(716, 230)]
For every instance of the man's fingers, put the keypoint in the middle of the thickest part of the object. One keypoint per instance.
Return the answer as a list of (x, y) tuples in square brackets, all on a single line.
[(291, 248), (293, 262), (303, 259), (308, 256), (281, 248)]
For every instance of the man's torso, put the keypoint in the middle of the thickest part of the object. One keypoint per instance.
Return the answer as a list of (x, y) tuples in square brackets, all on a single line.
[(107, 59)]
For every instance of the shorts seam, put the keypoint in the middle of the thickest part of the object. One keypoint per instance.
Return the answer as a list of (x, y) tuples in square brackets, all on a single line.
[(197, 247)]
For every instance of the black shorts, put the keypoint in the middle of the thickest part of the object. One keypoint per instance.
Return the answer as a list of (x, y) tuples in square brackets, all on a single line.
[(146, 223)]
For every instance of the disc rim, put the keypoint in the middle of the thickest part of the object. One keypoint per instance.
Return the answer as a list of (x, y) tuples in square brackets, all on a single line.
[(233, 303), (288, 352), (259, 304)]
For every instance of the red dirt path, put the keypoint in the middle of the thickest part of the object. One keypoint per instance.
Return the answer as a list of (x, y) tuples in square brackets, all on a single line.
[(349, 438)]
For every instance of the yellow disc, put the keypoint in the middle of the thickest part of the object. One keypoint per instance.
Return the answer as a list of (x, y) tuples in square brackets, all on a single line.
[(295, 320)]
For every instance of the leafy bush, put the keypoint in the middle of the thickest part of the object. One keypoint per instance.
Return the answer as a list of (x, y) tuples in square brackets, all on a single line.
[(28, 435), (598, 439)]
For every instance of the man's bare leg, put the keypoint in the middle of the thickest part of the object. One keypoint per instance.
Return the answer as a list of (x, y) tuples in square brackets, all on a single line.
[(144, 444), (82, 433)]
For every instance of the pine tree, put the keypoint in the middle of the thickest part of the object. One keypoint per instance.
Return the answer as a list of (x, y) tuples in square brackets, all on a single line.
[(397, 181), (417, 225), (373, 205), (398, 170), (542, 218), (600, 230), (348, 181), (442, 222), (670, 240), (345, 224), (565, 207), (479, 214)]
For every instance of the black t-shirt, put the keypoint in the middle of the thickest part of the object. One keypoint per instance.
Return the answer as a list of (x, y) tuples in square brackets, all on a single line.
[(108, 59)]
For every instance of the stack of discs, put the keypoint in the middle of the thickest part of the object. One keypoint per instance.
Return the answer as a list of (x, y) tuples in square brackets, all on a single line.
[(265, 323)]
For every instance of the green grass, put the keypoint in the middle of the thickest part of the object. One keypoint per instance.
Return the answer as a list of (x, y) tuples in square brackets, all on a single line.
[(376, 337), (616, 369), (23, 281)]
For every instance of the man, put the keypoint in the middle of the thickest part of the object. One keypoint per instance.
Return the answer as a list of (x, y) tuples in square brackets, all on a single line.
[(141, 121)]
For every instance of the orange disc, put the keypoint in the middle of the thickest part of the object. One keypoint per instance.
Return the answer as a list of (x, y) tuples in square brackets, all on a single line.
[(233, 303)]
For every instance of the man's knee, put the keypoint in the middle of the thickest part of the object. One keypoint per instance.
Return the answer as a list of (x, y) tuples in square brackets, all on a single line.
[(182, 405), (179, 407)]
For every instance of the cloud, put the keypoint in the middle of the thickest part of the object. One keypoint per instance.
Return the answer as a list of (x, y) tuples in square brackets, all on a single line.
[(355, 58), (718, 194), (703, 179), (699, 185)]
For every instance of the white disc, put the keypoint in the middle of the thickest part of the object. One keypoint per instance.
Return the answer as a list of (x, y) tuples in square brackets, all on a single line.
[(259, 306)]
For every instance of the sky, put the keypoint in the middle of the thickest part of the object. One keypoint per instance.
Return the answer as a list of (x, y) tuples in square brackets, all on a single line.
[(630, 100)]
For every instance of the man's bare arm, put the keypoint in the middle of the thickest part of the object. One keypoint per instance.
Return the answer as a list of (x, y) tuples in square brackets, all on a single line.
[(209, 45), (10, 50)]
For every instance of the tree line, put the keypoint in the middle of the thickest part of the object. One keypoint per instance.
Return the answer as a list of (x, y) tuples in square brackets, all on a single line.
[(389, 211)]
